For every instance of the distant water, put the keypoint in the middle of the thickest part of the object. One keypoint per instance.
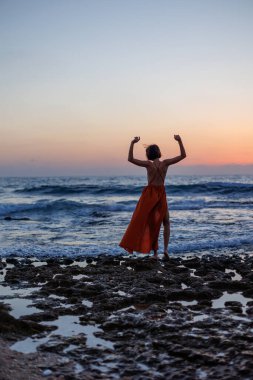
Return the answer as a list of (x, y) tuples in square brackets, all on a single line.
[(88, 215)]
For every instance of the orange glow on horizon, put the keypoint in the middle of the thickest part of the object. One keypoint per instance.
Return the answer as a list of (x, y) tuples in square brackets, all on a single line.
[(203, 148)]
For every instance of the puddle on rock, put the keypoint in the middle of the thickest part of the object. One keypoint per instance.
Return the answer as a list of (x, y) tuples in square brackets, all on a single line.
[(55, 296), (200, 317), (188, 303), (201, 374), (78, 368), (80, 276), (56, 274), (238, 297), (81, 264), (66, 326), (122, 294), (192, 273), (243, 319), (21, 307), (10, 292), (36, 263), (236, 277), (71, 347), (87, 303)]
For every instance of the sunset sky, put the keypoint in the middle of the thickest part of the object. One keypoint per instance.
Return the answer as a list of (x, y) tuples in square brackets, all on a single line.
[(79, 79)]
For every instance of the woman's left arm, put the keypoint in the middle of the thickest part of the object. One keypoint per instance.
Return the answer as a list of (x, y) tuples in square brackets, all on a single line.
[(131, 154)]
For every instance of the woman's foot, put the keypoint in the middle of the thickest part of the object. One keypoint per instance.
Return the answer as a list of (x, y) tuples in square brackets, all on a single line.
[(155, 256), (166, 255)]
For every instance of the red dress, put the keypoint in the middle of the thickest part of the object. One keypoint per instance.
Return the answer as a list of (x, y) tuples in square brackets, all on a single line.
[(143, 231)]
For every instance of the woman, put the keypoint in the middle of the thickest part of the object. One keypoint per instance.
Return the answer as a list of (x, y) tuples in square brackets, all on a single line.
[(151, 210)]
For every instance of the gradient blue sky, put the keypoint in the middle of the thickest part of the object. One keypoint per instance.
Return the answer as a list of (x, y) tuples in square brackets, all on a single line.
[(79, 79)]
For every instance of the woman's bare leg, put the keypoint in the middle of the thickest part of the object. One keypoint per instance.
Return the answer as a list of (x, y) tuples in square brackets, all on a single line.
[(155, 255), (166, 233)]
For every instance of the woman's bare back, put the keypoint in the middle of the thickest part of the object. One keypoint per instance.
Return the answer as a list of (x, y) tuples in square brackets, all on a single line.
[(156, 173)]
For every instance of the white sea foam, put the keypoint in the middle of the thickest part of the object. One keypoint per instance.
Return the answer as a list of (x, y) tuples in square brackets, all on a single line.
[(96, 250)]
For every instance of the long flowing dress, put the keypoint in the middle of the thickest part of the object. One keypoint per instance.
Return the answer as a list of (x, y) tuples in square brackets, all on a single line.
[(143, 231)]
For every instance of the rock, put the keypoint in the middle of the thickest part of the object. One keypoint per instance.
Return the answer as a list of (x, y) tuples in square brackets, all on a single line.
[(193, 263), (138, 326), (233, 286), (234, 305), (11, 325), (10, 260), (67, 261), (249, 311)]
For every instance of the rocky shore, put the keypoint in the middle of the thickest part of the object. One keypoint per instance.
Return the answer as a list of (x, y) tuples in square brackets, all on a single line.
[(127, 318)]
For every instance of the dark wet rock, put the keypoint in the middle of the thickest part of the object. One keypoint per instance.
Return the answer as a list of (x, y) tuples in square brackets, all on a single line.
[(10, 325), (140, 266), (177, 270), (2, 265), (229, 285), (52, 262), (43, 316), (193, 263), (205, 303), (201, 272), (158, 315), (249, 276), (249, 311), (234, 306), (67, 261), (11, 260), (249, 292), (184, 295), (89, 260)]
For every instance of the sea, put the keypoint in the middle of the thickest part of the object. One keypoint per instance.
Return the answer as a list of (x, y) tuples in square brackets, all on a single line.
[(87, 216)]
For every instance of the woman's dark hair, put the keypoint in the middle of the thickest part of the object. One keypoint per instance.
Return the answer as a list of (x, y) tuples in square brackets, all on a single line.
[(153, 152)]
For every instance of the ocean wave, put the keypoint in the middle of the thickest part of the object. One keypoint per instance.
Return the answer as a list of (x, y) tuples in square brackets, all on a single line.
[(213, 188), (39, 206), (100, 209), (61, 190), (64, 205), (218, 188)]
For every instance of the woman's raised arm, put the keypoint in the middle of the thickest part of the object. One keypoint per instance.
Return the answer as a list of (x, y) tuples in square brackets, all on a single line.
[(131, 154), (174, 160)]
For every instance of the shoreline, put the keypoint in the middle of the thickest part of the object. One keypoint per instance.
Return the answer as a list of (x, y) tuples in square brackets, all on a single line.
[(115, 317)]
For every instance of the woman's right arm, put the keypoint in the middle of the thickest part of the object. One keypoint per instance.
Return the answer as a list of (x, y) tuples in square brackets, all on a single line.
[(131, 154)]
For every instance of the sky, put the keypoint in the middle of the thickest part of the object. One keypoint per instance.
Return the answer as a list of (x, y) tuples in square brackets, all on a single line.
[(79, 79)]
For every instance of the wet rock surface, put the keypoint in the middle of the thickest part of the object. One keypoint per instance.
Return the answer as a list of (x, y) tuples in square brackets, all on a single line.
[(129, 318)]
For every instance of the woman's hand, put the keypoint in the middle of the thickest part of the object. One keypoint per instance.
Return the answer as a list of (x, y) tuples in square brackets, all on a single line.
[(136, 139), (177, 138)]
